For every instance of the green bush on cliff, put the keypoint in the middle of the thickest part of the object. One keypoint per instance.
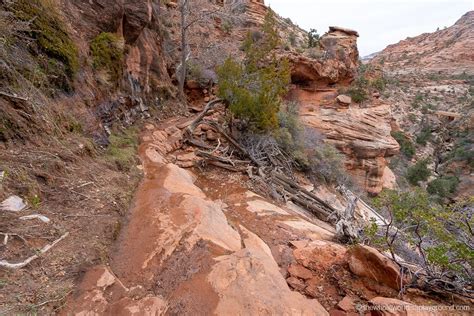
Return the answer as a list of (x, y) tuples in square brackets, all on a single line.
[(406, 145), (255, 87), (358, 90), (418, 172), (107, 54), (443, 187), (49, 31)]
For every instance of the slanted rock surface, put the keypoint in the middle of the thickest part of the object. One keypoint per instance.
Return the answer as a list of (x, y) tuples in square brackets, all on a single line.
[(367, 262), (363, 134)]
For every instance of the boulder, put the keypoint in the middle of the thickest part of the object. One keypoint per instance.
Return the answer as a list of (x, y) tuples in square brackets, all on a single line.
[(368, 262), (338, 29), (249, 282), (344, 100)]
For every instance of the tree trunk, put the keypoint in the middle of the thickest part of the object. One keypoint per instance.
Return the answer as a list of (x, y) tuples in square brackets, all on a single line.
[(182, 72)]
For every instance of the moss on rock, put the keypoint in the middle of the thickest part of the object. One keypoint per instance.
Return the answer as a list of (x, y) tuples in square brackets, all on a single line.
[(49, 31), (107, 54)]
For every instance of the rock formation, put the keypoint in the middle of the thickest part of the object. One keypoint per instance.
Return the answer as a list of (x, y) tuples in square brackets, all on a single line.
[(138, 22), (447, 51), (362, 134), (338, 61)]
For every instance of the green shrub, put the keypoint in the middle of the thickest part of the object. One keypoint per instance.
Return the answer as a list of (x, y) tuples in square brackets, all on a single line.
[(227, 26), (464, 149), (357, 94), (418, 172), (379, 84), (292, 39), (358, 90), (289, 134), (439, 237), (107, 54), (443, 187), (313, 38), (424, 136), (254, 89), (327, 163), (417, 101), (122, 149), (406, 146)]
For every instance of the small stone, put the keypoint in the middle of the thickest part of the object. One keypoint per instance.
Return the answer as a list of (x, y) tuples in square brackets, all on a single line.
[(296, 283), (172, 130), (347, 304), (207, 99), (187, 157), (211, 135), (185, 164), (299, 271)]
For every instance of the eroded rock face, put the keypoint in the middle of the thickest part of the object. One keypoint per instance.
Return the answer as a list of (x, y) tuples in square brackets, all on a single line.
[(338, 65), (363, 135), (448, 51), (138, 23)]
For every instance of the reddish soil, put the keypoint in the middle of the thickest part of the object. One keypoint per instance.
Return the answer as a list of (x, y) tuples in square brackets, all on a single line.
[(81, 193)]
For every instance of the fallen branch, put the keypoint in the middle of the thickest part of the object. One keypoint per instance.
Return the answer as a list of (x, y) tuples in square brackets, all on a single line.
[(12, 96), (190, 129), (231, 140), (19, 265)]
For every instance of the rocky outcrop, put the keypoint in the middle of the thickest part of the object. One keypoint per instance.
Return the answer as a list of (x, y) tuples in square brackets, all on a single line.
[(138, 22), (368, 262), (180, 253), (338, 62), (447, 51), (362, 134), (249, 283)]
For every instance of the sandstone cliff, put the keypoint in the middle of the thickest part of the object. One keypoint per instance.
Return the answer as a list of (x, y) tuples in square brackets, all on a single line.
[(446, 51)]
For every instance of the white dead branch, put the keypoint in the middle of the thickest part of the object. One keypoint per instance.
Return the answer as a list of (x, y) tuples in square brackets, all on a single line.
[(19, 265), (42, 218)]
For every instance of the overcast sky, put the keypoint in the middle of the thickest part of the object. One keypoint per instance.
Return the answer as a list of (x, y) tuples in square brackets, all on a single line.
[(379, 22)]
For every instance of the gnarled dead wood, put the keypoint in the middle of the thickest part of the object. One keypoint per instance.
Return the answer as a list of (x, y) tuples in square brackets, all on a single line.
[(190, 129)]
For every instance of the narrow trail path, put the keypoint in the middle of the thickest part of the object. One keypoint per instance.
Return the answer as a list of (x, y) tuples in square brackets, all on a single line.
[(198, 245)]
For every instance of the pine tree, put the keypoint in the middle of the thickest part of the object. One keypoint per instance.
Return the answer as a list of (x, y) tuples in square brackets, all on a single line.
[(255, 87)]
